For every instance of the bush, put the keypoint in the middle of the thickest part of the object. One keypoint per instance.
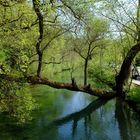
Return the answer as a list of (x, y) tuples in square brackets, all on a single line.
[(134, 95), (16, 101)]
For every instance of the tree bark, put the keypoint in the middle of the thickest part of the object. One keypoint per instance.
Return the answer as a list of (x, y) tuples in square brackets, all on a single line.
[(40, 56), (124, 71), (40, 38), (85, 71), (138, 21)]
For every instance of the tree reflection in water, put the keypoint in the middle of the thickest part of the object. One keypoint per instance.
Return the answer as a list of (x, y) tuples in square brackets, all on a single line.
[(100, 120), (127, 121), (123, 115)]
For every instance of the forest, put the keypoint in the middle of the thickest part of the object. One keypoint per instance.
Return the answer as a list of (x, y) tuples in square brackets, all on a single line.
[(56, 51)]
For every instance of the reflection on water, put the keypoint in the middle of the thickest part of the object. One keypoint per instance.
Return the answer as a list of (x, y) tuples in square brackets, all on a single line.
[(128, 123), (64, 115)]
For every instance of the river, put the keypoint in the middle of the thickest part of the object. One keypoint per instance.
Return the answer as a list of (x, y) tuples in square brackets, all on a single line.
[(65, 115)]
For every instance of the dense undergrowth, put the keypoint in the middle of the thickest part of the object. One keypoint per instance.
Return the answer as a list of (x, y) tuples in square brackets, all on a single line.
[(134, 96), (16, 101)]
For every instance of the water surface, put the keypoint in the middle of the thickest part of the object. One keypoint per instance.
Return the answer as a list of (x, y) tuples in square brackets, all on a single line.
[(65, 115)]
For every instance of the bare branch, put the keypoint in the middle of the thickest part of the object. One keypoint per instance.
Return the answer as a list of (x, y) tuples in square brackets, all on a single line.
[(79, 53), (119, 23), (59, 33), (71, 9)]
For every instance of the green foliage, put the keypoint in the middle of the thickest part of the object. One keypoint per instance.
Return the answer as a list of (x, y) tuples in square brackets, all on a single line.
[(17, 59), (101, 76), (17, 41), (16, 101), (134, 95)]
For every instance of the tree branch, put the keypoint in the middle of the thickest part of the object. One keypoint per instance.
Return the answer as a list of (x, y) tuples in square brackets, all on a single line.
[(14, 20), (59, 85), (53, 38), (79, 53)]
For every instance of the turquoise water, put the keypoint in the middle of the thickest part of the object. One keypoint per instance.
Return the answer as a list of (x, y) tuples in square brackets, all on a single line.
[(65, 115)]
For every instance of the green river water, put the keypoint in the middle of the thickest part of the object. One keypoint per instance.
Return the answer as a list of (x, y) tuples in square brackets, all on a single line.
[(65, 115)]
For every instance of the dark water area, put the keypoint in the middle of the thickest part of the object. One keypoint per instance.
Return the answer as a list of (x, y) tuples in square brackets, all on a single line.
[(65, 115)]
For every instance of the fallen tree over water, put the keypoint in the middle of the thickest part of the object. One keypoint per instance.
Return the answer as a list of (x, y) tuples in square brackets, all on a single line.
[(73, 86), (59, 85)]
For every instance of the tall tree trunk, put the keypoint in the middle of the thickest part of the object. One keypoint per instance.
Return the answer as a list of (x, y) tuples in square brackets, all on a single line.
[(85, 71), (36, 5), (40, 56)]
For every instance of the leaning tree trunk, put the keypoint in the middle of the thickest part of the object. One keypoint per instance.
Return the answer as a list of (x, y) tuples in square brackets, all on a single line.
[(120, 79), (124, 71)]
